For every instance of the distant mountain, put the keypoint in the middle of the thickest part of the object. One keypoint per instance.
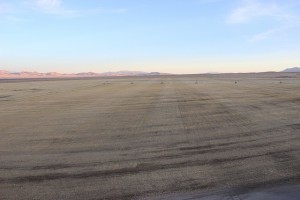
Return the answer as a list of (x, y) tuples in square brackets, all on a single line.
[(87, 74), (124, 73), (157, 73), (6, 74), (294, 69), (24, 74)]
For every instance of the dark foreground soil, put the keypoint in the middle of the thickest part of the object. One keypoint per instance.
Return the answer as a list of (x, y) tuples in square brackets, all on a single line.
[(170, 137)]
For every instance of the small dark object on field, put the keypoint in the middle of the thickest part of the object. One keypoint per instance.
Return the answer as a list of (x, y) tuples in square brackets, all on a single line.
[(161, 82), (131, 83), (235, 82), (280, 82), (196, 82)]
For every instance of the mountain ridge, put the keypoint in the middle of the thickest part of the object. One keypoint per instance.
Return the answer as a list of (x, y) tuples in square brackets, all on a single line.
[(293, 69), (4, 74)]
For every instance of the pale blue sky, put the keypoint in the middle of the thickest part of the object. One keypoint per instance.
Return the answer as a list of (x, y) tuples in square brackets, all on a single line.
[(176, 36)]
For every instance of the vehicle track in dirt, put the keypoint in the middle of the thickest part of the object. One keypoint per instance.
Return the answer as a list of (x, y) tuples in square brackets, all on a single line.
[(89, 140)]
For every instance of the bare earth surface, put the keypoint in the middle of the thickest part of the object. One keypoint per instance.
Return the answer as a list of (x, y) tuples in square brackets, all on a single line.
[(155, 138)]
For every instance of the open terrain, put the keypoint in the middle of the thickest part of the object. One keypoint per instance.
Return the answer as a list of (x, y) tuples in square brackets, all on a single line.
[(148, 137)]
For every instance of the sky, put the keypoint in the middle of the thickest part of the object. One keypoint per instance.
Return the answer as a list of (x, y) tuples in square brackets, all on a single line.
[(173, 36)]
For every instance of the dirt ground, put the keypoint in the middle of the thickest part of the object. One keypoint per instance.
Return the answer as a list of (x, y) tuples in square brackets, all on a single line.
[(143, 137)]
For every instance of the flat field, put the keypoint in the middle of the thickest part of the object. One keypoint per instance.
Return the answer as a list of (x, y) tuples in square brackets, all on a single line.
[(148, 137)]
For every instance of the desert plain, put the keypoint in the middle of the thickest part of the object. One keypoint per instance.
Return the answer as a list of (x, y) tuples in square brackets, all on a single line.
[(151, 137)]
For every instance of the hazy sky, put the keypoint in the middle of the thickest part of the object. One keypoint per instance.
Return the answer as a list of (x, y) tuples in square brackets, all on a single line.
[(176, 36)]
